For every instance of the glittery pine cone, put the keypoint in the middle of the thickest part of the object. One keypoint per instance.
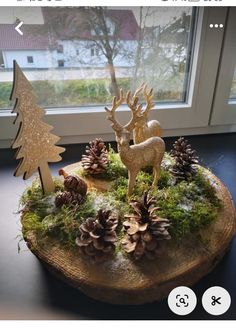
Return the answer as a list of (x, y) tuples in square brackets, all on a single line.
[(68, 198), (185, 160), (96, 159), (98, 235), (144, 230)]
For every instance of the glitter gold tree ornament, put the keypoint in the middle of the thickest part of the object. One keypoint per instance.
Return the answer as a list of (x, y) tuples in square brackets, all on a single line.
[(35, 144)]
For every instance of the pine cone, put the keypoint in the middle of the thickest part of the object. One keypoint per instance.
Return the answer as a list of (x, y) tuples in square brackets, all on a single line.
[(96, 159), (68, 198), (98, 236), (74, 183), (144, 230), (185, 159)]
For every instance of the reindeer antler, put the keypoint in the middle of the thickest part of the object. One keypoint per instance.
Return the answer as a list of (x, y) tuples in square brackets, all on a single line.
[(111, 112), (132, 102), (135, 108), (148, 95)]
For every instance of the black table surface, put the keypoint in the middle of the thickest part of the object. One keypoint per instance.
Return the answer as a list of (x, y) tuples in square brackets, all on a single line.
[(28, 291)]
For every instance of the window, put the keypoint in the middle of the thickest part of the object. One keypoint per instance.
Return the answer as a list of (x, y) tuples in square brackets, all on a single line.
[(30, 59), (60, 49), (94, 51), (224, 108), (1, 60), (61, 63), (159, 54), (232, 95), (172, 49)]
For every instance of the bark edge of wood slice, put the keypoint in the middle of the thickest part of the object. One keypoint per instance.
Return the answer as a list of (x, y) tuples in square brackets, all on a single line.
[(124, 281)]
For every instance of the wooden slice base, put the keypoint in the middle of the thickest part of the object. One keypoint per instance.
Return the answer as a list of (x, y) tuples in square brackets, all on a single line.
[(124, 281)]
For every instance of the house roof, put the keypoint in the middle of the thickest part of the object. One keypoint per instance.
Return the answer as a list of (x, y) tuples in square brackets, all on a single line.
[(34, 38), (65, 23), (73, 23)]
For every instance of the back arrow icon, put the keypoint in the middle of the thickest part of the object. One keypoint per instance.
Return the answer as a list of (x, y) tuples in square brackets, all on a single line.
[(17, 28)]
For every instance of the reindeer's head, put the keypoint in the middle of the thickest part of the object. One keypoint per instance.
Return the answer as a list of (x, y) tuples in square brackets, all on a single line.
[(123, 132)]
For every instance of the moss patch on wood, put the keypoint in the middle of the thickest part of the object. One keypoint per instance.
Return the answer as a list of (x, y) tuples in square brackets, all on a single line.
[(189, 205)]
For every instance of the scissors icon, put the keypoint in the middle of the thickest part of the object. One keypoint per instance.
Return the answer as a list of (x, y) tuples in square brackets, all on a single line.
[(215, 300)]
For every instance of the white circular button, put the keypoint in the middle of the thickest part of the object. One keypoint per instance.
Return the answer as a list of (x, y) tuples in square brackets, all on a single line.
[(182, 300), (216, 300)]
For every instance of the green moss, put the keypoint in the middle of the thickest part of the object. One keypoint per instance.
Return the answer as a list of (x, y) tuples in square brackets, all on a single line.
[(188, 205), (119, 189), (34, 200), (31, 222), (116, 168)]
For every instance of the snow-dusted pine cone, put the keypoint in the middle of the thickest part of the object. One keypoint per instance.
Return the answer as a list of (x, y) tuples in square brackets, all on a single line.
[(98, 235), (96, 159), (68, 198), (144, 230)]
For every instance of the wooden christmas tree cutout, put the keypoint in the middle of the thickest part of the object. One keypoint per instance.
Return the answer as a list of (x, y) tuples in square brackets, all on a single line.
[(35, 144)]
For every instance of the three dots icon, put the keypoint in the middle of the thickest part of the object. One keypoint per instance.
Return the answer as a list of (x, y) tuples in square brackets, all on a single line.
[(216, 26)]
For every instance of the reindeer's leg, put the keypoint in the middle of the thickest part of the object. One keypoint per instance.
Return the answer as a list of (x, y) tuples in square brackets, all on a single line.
[(131, 183), (156, 174)]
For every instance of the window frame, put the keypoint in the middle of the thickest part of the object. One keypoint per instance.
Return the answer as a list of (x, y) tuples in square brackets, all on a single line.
[(224, 108), (83, 123)]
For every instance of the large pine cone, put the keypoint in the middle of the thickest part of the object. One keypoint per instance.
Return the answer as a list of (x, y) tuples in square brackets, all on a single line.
[(98, 235), (96, 159), (68, 198), (144, 230), (143, 239), (185, 159)]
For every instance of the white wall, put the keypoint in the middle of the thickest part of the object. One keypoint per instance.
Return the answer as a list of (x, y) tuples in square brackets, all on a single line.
[(42, 58), (85, 59), (49, 59)]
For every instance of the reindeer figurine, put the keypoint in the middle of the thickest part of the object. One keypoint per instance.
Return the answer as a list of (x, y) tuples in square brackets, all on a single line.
[(145, 129), (135, 157)]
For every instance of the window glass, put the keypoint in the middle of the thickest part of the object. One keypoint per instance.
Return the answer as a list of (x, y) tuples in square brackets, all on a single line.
[(30, 59), (82, 56), (233, 88)]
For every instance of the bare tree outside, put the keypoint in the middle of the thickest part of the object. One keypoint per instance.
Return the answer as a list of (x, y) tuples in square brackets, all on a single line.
[(106, 38), (162, 52), (82, 56)]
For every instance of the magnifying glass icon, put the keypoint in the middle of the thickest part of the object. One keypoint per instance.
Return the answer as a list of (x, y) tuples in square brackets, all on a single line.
[(182, 301)]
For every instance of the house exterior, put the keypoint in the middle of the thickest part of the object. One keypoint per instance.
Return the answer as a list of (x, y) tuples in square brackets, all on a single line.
[(71, 45), (31, 50)]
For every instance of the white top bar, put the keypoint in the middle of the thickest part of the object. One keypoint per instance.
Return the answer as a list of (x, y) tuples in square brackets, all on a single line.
[(123, 3)]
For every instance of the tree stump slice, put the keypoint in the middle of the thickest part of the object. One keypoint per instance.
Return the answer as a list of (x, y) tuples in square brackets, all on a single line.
[(122, 280)]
